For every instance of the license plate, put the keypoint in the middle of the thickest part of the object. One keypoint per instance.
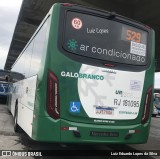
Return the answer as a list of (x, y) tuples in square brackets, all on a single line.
[(104, 134), (104, 111)]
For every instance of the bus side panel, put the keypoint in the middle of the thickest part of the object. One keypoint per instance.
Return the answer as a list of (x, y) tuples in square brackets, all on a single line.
[(26, 104), (16, 94), (46, 128), (149, 82), (25, 117)]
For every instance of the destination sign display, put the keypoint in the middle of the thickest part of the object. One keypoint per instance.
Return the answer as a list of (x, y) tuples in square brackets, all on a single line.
[(104, 39)]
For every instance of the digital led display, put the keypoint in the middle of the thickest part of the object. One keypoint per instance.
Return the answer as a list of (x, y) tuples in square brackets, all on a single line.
[(104, 39)]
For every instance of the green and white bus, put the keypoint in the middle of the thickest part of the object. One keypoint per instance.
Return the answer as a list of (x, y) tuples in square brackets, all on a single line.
[(88, 78)]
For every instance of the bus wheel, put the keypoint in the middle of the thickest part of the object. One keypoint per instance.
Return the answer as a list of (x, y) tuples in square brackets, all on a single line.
[(16, 126)]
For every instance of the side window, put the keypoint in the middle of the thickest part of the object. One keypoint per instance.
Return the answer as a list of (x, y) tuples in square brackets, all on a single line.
[(28, 54), (19, 66), (38, 49)]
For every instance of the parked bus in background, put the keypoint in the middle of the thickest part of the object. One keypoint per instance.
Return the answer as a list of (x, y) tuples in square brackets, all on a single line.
[(3, 92), (4, 75), (156, 104), (88, 78), (6, 79)]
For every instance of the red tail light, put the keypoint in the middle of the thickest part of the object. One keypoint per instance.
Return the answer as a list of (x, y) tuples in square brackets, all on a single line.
[(68, 4), (109, 65), (53, 99), (147, 105)]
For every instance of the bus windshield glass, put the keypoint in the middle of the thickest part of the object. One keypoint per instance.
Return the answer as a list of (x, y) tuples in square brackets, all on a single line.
[(104, 39)]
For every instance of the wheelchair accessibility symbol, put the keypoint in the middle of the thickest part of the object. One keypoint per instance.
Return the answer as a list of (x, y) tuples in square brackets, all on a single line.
[(75, 107)]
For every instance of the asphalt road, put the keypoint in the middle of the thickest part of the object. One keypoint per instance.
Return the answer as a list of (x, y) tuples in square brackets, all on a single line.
[(9, 140)]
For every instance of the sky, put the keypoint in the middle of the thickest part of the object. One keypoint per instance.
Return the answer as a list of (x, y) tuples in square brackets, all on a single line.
[(9, 10)]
